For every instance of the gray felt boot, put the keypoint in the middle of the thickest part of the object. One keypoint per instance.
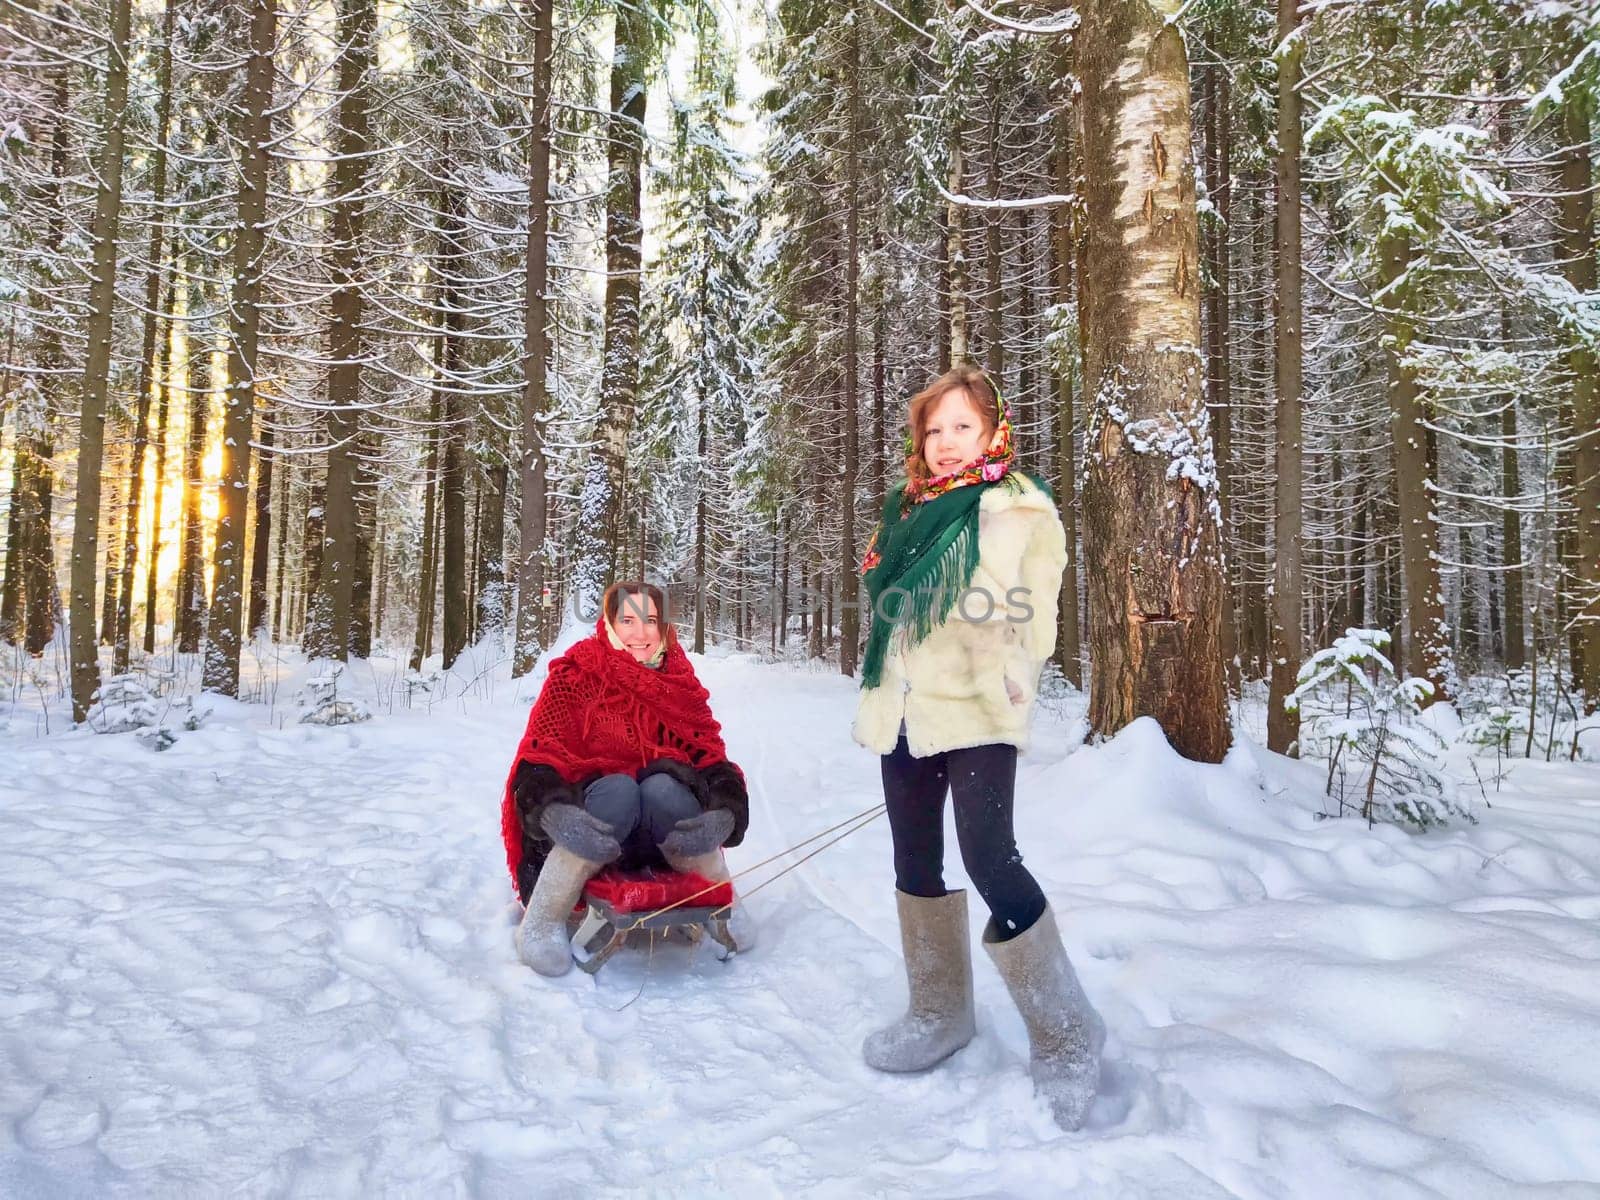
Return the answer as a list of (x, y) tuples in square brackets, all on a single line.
[(713, 867), (938, 1021), (1065, 1034), (542, 940)]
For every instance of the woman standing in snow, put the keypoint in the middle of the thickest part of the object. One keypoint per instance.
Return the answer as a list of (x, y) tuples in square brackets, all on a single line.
[(963, 575), (621, 759)]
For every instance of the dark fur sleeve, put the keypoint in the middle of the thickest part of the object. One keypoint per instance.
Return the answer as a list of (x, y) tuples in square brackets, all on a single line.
[(725, 788), (536, 787)]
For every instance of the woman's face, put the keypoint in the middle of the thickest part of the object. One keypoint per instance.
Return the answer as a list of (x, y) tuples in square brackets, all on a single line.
[(638, 624), (953, 433)]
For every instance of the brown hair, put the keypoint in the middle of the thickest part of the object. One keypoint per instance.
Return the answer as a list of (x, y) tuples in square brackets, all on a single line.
[(980, 392), (630, 588)]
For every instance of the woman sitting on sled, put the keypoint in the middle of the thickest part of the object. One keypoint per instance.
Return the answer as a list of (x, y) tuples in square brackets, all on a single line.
[(621, 762)]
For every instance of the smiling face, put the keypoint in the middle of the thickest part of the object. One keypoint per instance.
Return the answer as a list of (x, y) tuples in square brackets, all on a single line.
[(953, 433), (638, 624)]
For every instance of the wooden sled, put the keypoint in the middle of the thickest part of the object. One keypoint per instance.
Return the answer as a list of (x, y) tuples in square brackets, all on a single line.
[(618, 903)]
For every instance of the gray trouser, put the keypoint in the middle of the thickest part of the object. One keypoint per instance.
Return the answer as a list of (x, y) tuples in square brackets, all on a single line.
[(641, 815)]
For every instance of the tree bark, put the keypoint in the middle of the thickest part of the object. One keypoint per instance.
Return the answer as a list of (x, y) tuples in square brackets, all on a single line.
[(1219, 306), (534, 467), (256, 620), (364, 498), (115, 498), (1577, 253), (849, 580), (148, 355), (221, 668), (956, 255), (452, 575), (492, 553), (1070, 639), (357, 21), (190, 603), (1428, 646), (425, 591), (165, 384), (84, 648), (1155, 583), (1283, 726), (601, 504)]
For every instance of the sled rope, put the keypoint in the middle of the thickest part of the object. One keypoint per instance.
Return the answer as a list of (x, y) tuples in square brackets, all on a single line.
[(860, 821)]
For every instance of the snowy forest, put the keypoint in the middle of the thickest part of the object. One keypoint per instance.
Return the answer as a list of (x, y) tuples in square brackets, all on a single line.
[(408, 324), (349, 349)]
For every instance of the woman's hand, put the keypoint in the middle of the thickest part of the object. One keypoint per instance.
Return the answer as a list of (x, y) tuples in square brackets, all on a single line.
[(580, 831), (1013, 691), (694, 836)]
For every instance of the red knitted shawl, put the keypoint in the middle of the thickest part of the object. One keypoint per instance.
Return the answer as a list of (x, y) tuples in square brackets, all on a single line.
[(602, 712)]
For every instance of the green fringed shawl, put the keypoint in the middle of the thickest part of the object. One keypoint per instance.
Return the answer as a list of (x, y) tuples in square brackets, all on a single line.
[(927, 558)]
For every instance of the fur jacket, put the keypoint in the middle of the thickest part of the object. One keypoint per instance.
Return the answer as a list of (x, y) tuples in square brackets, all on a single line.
[(951, 688)]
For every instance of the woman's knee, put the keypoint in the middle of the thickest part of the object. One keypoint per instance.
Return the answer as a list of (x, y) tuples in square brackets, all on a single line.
[(615, 800), (663, 802)]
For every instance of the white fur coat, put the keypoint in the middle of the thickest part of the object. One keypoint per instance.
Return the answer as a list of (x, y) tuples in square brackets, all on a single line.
[(951, 687)]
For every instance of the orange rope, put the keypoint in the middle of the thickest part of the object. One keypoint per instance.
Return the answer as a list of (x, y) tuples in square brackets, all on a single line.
[(860, 821)]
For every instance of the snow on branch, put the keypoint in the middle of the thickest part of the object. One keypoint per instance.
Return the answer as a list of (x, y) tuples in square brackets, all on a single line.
[(1066, 24)]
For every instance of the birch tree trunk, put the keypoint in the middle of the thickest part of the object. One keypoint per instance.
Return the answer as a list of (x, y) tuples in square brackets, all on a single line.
[(1150, 505)]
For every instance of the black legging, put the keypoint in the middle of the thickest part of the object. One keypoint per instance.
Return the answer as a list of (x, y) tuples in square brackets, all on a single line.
[(982, 780)]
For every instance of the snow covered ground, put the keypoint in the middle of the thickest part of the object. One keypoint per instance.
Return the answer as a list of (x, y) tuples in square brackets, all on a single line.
[(276, 960)]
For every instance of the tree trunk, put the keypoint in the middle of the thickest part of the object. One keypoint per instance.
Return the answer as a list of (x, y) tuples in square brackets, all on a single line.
[(880, 372), (1283, 726), (452, 577), (11, 589), (1577, 253), (381, 573), (534, 466), (286, 494), (702, 436), (117, 513), (956, 255), (994, 351), (1069, 641), (84, 653), (221, 669), (430, 553), (147, 356), (849, 580), (311, 547), (1219, 307), (191, 599), (364, 497), (492, 591), (601, 503), (166, 385), (1155, 584), (38, 552), (256, 620), (1428, 646), (357, 20)]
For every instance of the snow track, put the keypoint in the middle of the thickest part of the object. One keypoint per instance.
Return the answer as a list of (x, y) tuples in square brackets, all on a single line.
[(278, 962)]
